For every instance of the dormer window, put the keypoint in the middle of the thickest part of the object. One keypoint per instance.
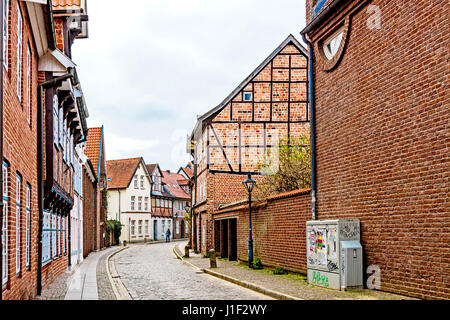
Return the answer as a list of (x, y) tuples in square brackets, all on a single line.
[(248, 96), (332, 44)]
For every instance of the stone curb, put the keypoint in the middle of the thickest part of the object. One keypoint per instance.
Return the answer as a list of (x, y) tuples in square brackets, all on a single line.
[(118, 287), (272, 293)]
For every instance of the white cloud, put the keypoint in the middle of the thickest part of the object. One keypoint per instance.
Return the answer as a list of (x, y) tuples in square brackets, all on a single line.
[(150, 67)]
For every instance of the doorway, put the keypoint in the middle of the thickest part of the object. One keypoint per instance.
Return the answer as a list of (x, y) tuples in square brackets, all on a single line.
[(155, 230)]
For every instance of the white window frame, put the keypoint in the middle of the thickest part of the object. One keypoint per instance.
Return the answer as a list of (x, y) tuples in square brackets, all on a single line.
[(5, 32), (136, 182), (29, 84), (139, 203), (140, 228), (331, 45), (247, 93), (54, 232), (55, 119), (142, 183), (19, 52), (147, 230), (133, 228), (133, 203), (157, 202), (146, 204), (178, 226), (4, 236), (18, 221), (28, 226), (46, 241)]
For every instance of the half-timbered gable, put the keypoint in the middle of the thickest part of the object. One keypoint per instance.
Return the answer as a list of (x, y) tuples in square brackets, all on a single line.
[(233, 138)]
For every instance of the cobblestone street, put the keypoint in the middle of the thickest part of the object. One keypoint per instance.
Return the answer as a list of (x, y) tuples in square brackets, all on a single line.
[(152, 272)]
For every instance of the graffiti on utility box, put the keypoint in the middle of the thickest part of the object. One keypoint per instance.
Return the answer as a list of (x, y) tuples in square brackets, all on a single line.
[(322, 247)]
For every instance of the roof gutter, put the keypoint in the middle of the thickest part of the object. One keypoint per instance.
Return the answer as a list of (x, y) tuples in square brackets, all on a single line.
[(322, 15), (312, 128)]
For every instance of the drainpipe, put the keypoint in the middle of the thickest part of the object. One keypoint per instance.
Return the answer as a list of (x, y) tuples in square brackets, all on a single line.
[(312, 121), (40, 182), (1, 148)]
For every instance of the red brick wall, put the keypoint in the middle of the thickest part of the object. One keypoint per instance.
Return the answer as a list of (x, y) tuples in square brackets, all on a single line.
[(383, 142), (279, 232), (19, 152), (88, 214)]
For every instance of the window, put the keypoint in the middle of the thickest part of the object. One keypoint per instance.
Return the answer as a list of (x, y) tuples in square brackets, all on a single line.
[(142, 182), (18, 221), (140, 227), (139, 203), (28, 226), (29, 85), (19, 53), (158, 204), (55, 119), (170, 204), (133, 228), (53, 230), (133, 200), (58, 235), (63, 231), (5, 226), (46, 237), (166, 202), (147, 231), (146, 204), (332, 44), (61, 127), (248, 96), (178, 226), (136, 182), (5, 32)]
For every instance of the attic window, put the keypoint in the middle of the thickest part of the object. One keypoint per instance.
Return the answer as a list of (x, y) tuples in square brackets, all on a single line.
[(332, 44), (248, 96)]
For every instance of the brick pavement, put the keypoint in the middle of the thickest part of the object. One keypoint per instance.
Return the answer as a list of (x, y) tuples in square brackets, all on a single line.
[(290, 285), (152, 272)]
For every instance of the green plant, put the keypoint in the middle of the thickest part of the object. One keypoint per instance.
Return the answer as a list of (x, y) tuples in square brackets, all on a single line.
[(257, 264), (206, 255), (279, 270), (287, 168), (115, 227)]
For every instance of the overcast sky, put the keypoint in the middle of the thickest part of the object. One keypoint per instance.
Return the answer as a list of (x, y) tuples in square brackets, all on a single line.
[(150, 67)]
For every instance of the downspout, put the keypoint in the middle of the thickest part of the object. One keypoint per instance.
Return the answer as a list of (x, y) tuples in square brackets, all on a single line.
[(312, 126), (93, 216), (1, 149), (40, 182)]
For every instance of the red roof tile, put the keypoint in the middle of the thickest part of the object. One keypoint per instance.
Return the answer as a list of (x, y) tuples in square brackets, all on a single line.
[(66, 4), (171, 183), (120, 172), (93, 144)]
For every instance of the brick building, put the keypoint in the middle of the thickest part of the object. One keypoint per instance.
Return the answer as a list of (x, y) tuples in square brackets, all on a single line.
[(162, 203), (89, 181), (177, 186), (129, 190), (43, 113), (65, 128), (24, 42), (382, 133), (230, 140), (95, 152)]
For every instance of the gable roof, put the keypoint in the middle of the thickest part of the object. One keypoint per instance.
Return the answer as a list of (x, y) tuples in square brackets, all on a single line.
[(94, 145), (289, 40), (172, 185), (151, 167), (187, 171), (121, 172)]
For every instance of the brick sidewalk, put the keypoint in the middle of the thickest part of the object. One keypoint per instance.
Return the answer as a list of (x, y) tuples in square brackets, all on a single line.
[(291, 285)]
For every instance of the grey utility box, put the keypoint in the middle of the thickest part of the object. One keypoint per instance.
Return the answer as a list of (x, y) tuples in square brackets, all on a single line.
[(334, 253), (351, 265)]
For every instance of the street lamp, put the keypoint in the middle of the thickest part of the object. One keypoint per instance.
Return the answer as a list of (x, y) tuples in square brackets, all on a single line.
[(249, 185)]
